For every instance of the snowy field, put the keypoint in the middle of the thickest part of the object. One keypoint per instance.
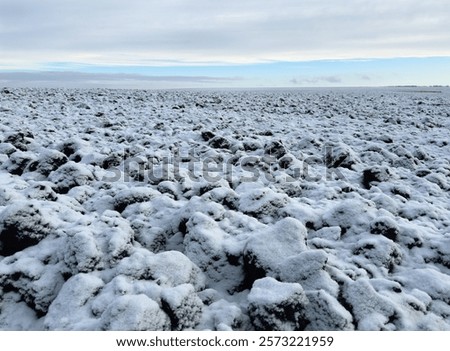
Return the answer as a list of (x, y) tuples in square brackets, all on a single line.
[(225, 210)]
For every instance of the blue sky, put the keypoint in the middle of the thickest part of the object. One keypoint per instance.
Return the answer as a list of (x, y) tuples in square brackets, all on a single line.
[(237, 43)]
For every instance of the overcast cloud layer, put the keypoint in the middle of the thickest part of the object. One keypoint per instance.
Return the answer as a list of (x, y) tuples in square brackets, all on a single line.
[(148, 32), (108, 80)]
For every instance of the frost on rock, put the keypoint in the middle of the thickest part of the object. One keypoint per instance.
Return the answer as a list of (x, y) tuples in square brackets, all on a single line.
[(132, 196), (135, 312), (71, 147), (219, 142), (340, 155), (41, 191), (277, 306), (301, 266), (183, 306), (18, 161), (275, 149), (36, 282)]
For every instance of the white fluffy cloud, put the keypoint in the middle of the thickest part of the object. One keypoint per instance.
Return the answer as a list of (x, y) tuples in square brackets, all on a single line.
[(232, 31)]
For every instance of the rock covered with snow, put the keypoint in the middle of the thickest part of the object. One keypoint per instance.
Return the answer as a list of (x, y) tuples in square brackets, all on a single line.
[(268, 210), (277, 306)]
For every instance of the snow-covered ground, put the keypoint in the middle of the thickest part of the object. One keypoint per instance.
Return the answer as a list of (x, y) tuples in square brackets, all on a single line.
[(267, 210)]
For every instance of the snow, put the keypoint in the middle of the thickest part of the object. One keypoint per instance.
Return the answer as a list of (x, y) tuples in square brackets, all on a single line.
[(276, 305), (225, 210), (135, 312), (70, 310)]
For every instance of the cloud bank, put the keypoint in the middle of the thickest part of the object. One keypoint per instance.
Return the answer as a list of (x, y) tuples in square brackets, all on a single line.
[(86, 80), (148, 32)]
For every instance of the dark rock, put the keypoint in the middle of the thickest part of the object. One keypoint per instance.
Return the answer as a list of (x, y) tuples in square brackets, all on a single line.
[(83, 105), (275, 149), (41, 191), (340, 155), (375, 175), (34, 282), (219, 142), (402, 191), (49, 161), (132, 196), (22, 225), (108, 124), (20, 140), (18, 162), (252, 145), (159, 126), (286, 161), (224, 196), (113, 160), (69, 176), (422, 172), (386, 227), (325, 313), (386, 139), (207, 135), (169, 188), (69, 147)]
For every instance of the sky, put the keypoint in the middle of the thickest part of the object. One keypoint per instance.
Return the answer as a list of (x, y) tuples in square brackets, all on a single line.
[(233, 43)]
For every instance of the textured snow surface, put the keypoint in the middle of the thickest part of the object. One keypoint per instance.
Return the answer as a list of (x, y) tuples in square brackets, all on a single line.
[(221, 210)]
